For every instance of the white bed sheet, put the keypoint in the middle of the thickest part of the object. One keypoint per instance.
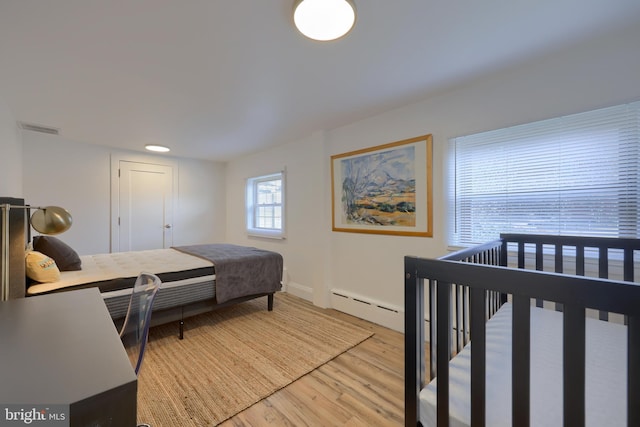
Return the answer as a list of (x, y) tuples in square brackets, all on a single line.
[(96, 268), (605, 381)]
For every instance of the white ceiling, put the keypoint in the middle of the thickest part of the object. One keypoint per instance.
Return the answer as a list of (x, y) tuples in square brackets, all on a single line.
[(216, 79)]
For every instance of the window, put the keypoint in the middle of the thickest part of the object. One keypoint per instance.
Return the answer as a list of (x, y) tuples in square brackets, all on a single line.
[(265, 206), (573, 175)]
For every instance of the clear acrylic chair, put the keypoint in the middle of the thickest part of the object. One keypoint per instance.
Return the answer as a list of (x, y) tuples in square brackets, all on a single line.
[(135, 329)]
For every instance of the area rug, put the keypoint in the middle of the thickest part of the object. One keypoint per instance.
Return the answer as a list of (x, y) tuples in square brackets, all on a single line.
[(235, 357)]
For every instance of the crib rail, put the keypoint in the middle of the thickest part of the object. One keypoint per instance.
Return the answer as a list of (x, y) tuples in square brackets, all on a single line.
[(580, 245), (537, 246)]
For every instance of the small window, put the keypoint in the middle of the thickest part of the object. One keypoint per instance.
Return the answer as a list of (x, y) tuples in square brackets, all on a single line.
[(265, 206)]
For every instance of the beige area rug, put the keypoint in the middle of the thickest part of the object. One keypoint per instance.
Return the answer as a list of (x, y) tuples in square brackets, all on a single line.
[(235, 357)]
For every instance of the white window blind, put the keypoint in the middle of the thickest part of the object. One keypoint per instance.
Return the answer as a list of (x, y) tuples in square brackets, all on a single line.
[(573, 175)]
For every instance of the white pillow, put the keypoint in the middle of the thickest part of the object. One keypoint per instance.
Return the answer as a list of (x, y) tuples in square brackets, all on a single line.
[(41, 268)]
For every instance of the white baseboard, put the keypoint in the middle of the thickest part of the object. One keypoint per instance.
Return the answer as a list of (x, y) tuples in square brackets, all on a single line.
[(301, 291), (383, 314)]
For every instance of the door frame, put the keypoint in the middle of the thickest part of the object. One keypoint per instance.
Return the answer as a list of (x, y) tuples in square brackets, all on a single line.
[(116, 158)]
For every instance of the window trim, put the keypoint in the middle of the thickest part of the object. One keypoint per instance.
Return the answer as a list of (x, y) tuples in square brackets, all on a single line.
[(251, 207)]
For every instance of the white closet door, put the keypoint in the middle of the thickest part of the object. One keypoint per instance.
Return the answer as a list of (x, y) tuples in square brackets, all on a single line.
[(145, 206)]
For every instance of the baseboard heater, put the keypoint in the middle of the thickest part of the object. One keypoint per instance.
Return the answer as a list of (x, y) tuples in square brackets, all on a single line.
[(363, 301)]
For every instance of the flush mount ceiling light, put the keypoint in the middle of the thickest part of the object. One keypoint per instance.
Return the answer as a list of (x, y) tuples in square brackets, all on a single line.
[(157, 148), (324, 20)]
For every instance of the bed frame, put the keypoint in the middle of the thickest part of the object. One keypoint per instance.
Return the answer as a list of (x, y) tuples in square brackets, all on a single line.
[(182, 312), (465, 288)]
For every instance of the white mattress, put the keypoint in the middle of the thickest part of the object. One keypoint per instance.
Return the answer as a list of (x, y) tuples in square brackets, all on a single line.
[(606, 350), (100, 267)]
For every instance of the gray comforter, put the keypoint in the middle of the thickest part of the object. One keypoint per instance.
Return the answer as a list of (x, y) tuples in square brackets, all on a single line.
[(240, 270)]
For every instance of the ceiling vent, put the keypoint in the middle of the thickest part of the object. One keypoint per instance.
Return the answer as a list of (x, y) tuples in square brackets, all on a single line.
[(39, 128)]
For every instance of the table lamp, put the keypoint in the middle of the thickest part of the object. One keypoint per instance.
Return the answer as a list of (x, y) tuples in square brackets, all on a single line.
[(45, 220)]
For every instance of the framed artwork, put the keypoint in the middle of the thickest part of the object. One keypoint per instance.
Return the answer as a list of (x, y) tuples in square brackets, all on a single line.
[(385, 189)]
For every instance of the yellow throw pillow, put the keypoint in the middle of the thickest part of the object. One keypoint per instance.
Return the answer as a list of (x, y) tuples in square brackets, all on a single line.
[(41, 268)]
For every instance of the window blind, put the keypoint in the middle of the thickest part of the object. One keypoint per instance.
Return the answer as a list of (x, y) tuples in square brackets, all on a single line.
[(572, 175)]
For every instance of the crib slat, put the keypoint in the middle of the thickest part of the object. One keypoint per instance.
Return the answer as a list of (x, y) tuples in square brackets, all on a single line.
[(414, 340), (520, 254), (603, 262), (539, 266), (457, 327), (433, 321), (478, 357), (628, 271), (628, 265), (443, 340), (521, 361), (633, 371), (559, 266), (504, 253), (579, 260), (573, 364), (559, 258), (465, 315), (603, 273)]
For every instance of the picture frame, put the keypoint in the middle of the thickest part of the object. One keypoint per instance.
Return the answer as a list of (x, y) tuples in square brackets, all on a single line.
[(386, 189)]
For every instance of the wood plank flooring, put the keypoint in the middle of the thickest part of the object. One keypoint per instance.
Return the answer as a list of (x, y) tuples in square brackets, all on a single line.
[(362, 387)]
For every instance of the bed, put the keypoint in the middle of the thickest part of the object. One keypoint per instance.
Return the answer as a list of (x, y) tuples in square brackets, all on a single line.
[(526, 330), (195, 279)]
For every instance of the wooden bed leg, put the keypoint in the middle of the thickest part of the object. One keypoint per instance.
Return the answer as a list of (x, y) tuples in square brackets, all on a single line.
[(270, 302)]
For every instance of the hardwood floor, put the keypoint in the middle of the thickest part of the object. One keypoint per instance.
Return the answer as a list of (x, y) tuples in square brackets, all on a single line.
[(362, 387)]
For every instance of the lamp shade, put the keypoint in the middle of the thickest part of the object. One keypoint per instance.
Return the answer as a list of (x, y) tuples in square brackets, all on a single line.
[(324, 20), (51, 220)]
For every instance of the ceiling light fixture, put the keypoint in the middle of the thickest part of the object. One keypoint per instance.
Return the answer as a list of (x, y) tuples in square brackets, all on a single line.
[(157, 148), (324, 20)]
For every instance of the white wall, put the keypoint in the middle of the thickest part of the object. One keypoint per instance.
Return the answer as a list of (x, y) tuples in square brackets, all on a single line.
[(10, 154), (304, 249), (597, 73), (201, 209), (77, 176)]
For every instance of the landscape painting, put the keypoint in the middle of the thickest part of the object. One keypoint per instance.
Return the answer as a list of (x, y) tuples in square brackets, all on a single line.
[(384, 189)]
